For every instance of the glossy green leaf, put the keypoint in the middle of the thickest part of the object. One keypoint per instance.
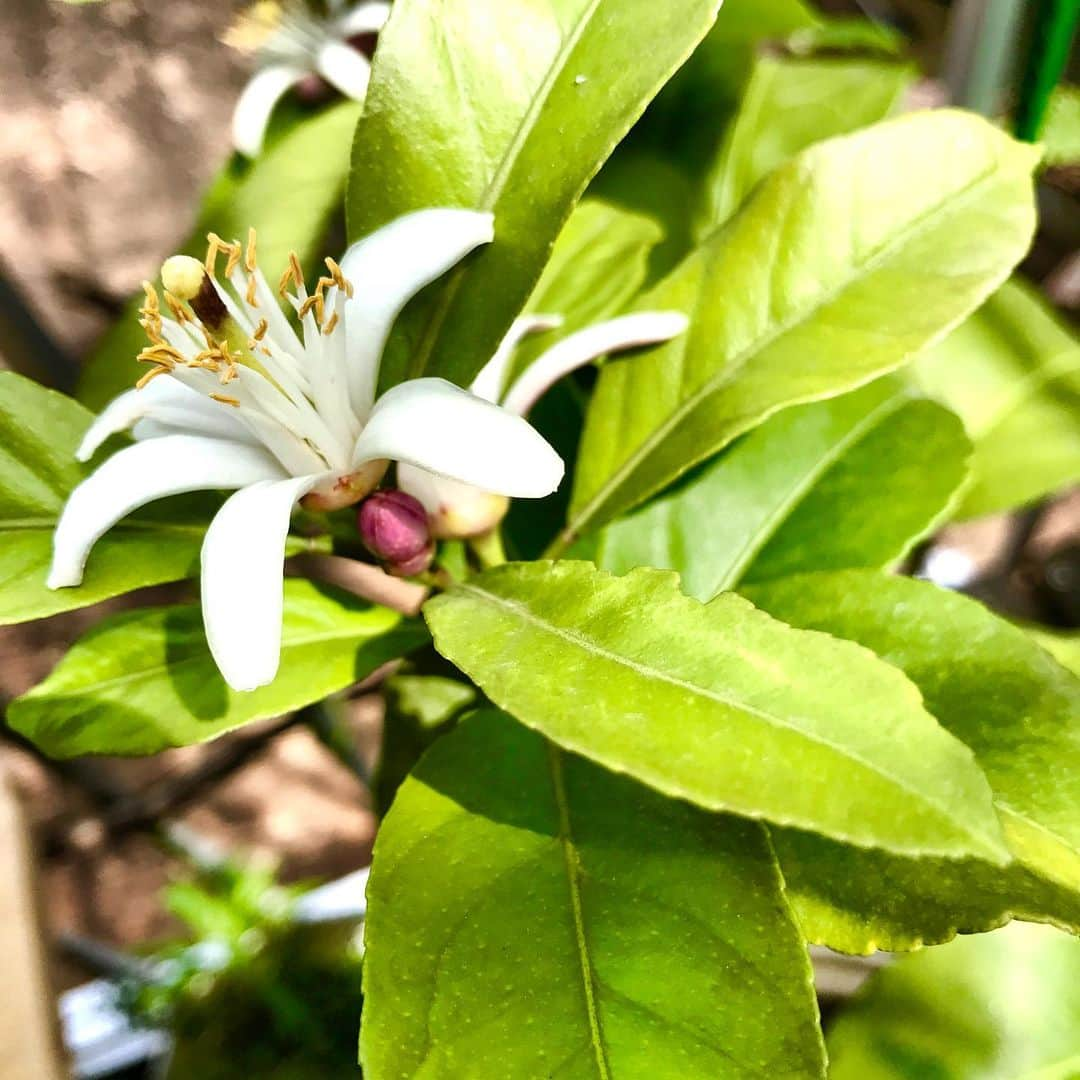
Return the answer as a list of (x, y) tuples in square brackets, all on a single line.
[(877, 264), (1012, 374), (288, 196), (790, 104), (531, 915), (509, 108), (144, 680), (858, 901), (1064, 646), (983, 678), (717, 704), (39, 432), (1002, 1006), (598, 265), (850, 482)]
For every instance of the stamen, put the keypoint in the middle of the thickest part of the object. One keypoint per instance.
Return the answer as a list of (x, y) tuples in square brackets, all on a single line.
[(226, 400), (153, 373), (297, 271), (328, 327), (179, 312), (339, 279), (249, 296), (260, 330), (250, 262)]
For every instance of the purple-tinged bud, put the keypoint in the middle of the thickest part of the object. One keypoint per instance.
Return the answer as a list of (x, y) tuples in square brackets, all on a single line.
[(313, 89), (394, 528)]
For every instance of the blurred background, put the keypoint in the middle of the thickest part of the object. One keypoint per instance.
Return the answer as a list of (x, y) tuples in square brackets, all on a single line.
[(115, 120)]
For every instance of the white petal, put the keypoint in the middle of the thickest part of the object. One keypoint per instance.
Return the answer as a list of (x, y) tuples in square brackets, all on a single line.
[(454, 509), (242, 559), (367, 18), (387, 269), (345, 68), (140, 474), (450, 432), (252, 114), (642, 328), (489, 383), (168, 401)]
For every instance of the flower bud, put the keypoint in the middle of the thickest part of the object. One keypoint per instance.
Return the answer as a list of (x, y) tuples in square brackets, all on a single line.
[(394, 528)]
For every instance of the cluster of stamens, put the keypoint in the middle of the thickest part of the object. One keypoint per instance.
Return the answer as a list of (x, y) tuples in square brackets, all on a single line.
[(200, 311)]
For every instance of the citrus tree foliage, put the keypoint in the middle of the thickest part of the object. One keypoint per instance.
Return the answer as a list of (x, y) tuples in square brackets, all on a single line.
[(625, 783)]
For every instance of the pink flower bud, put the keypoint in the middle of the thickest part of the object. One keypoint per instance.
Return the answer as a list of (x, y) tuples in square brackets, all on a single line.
[(394, 528)]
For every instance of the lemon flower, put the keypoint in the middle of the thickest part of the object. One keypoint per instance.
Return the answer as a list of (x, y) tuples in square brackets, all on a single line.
[(293, 43), (236, 398)]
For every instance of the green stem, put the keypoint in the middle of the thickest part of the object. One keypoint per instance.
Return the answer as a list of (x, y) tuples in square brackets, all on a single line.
[(1055, 26), (489, 549), (981, 47)]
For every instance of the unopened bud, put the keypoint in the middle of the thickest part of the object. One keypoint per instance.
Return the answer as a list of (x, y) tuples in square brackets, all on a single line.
[(394, 528), (186, 278)]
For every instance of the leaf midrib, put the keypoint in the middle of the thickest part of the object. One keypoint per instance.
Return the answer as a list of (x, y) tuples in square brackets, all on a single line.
[(731, 371), (573, 868), (494, 190), (645, 671)]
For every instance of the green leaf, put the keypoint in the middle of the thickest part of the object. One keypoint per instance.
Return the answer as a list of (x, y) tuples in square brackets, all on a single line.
[(532, 915), (877, 264), (717, 704), (598, 265), (858, 901), (144, 680), (1064, 647), (39, 432), (1012, 374), (1002, 1006), (850, 482), (984, 679), (288, 196), (509, 108), (790, 104)]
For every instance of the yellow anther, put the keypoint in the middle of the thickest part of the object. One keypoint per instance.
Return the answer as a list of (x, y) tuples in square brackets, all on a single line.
[(253, 26), (328, 327), (153, 373), (250, 296), (260, 330), (236, 253), (214, 246), (250, 262), (179, 312), (297, 271), (226, 400), (311, 302), (182, 276)]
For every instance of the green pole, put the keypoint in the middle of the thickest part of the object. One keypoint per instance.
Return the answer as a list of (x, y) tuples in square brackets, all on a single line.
[(1052, 36)]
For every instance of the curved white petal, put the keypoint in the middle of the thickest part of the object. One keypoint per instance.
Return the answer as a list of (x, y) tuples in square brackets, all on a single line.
[(642, 328), (140, 474), (367, 18), (489, 383), (387, 269), (242, 559), (257, 100), (171, 403), (454, 509), (345, 68), (450, 432)]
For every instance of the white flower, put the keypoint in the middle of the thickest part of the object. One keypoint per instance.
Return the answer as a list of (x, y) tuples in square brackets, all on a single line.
[(238, 399), (456, 509), (293, 44)]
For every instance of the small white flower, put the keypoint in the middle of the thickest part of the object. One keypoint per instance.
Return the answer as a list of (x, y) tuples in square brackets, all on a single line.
[(237, 399), (292, 44), (456, 509)]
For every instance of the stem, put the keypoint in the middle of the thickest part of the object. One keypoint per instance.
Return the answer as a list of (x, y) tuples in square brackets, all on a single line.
[(489, 549), (557, 548), (1055, 25)]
